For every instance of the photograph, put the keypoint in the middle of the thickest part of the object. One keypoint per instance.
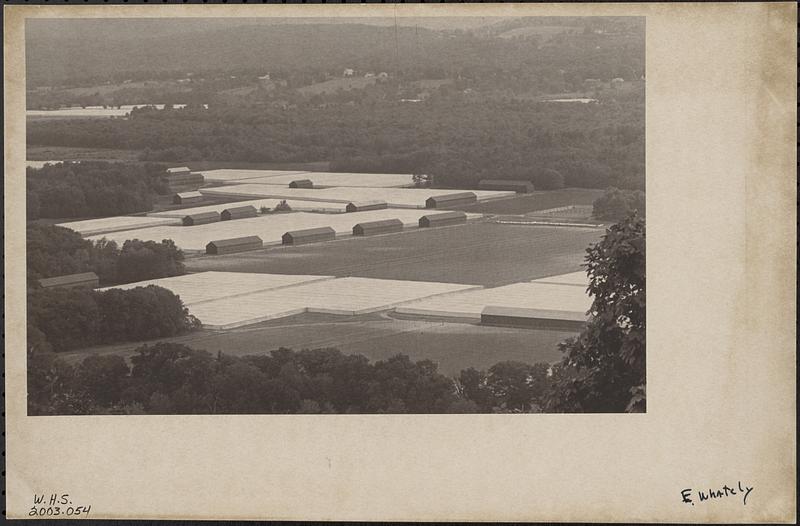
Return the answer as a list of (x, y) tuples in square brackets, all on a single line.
[(347, 216), (388, 262)]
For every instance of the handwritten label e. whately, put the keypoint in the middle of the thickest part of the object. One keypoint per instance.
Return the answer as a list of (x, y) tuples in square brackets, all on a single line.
[(740, 490), (57, 504)]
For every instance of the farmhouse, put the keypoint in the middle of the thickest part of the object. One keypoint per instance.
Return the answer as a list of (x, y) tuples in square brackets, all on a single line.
[(238, 212), (445, 200), (443, 219), (201, 218), (370, 228), (521, 187), (310, 235), (301, 183), (183, 198), (363, 206), (532, 318), (237, 244), (178, 178), (84, 279)]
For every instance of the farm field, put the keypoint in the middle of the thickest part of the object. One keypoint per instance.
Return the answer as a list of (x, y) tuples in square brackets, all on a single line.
[(453, 346), (477, 253), (395, 197), (324, 179), (527, 203), (211, 286), (549, 300), (269, 228), (349, 296)]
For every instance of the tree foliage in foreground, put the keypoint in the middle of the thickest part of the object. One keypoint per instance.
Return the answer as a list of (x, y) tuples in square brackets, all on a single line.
[(603, 369), (169, 378)]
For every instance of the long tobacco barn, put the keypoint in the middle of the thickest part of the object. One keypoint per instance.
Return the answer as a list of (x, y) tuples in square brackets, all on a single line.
[(371, 228), (201, 218), (442, 219), (457, 199), (309, 235), (233, 245), (521, 187), (238, 212)]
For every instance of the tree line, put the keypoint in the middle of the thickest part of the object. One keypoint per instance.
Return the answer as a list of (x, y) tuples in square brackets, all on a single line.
[(56, 251), (458, 141), (93, 189), (64, 319), (170, 378)]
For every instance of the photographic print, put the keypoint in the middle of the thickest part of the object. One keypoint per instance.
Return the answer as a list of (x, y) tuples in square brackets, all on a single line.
[(424, 215), (390, 263), (321, 215)]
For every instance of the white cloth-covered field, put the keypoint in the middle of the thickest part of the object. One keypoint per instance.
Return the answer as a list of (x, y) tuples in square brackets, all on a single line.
[(270, 227), (347, 296), (299, 206), (339, 179), (227, 175), (573, 278), (90, 227), (395, 197), (210, 286), (554, 301)]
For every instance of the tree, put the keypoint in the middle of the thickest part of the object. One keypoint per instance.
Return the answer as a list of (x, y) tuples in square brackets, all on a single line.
[(140, 260), (548, 179), (603, 368), (102, 378), (616, 204)]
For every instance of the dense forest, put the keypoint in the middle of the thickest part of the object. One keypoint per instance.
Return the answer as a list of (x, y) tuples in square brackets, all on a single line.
[(457, 141), (56, 251), (92, 189)]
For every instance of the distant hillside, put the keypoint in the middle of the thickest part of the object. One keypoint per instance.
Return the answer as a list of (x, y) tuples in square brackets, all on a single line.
[(81, 51)]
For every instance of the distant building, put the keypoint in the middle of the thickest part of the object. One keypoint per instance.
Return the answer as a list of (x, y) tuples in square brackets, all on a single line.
[(201, 218), (230, 246), (183, 198), (371, 228), (348, 72), (181, 177), (532, 318), (310, 235), (369, 76), (617, 83), (301, 183), (521, 187), (365, 205), (84, 279), (239, 212), (457, 199), (442, 219), (383, 75), (592, 83)]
